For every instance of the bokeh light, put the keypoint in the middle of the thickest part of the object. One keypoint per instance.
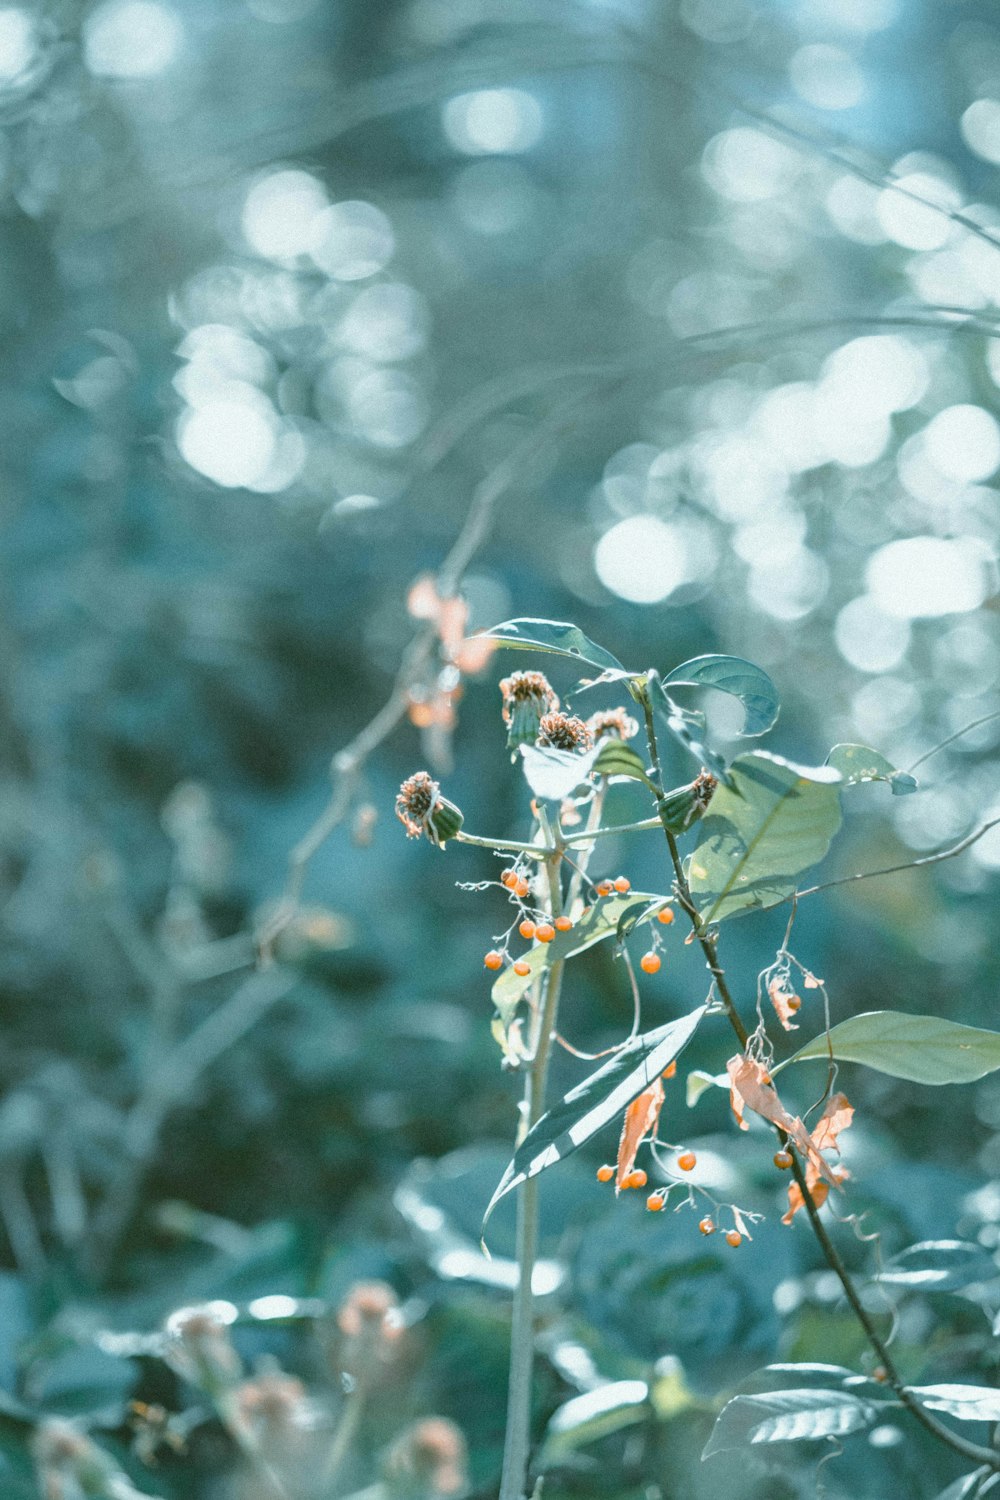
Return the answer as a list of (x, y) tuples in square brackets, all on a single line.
[(351, 241), (642, 559), (279, 212), (921, 577), (131, 39), (18, 44), (491, 121)]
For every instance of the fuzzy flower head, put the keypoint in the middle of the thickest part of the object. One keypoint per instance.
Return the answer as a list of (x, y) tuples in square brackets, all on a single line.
[(430, 1459), (421, 808), (527, 696), (612, 723), (561, 732)]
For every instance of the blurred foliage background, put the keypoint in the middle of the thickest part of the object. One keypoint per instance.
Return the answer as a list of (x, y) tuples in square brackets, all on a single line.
[(696, 299)]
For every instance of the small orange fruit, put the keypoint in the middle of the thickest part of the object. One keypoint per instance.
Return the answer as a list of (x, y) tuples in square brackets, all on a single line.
[(733, 1238), (650, 963), (493, 959), (655, 1202), (508, 878), (605, 1173), (521, 888), (563, 924), (635, 1179), (707, 1226), (545, 932), (622, 885), (687, 1161), (604, 887), (522, 968), (783, 1160), (794, 1003), (527, 928), (666, 916)]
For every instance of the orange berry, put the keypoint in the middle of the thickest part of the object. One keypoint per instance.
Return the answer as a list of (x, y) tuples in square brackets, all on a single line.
[(649, 963), (622, 885), (493, 959), (655, 1202), (670, 1070), (521, 888), (522, 968), (604, 888), (508, 878), (563, 924), (881, 1374), (794, 1003), (666, 916), (687, 1161), (733, 1238), (605, 1173), (707, 1226), (636, 1179), (527, 928), (545, 932), (783, 1160)]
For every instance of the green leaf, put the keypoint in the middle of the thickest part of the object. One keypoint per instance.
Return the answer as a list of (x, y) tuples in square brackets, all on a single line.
[(601, 921), (595, 1414), (924, 1049), (553, 774), (860, 763), (596, 1101), (686, 726), (794, 1416), (970, 1403), (966, 1488), (740, 679), (618, 759), (757, 835), (555, 636), (698, 1082), (940, 1266)]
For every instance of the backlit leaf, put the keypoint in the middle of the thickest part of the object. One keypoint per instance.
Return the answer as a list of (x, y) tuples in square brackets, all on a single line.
[(924, 1049), (555, 636), (793, 1416), (860, 763), (618, 759), (758, 834), (595, 1102), (940, 1266), (740, 679), (553, 774), (970, 1403)]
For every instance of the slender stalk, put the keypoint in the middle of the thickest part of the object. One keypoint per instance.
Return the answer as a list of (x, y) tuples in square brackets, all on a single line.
[(517, 1440), (344, 1432), (958, 1444)]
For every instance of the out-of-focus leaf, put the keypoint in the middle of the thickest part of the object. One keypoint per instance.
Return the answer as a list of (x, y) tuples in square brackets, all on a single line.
[(793, 1416), (596, 1414), (553, 774), (740, 679), (596, 1101), (83, 1380), (757, 835), (940, 1266), (860, 763), (923, 1049), (615, 758), (970, 1403), (555, 636), (966, 1488), (698, 1082), (601, 921)]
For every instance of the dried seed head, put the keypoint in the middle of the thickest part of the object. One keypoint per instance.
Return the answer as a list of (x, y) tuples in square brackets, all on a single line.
[(199, 1347), (272, 1402), (562, 732), (371, 1323), (612, 723), (421, 809), (526, 697), (704, 786), (429, 1458)]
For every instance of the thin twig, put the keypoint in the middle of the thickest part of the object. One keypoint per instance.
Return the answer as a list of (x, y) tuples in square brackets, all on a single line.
[(912, 864)]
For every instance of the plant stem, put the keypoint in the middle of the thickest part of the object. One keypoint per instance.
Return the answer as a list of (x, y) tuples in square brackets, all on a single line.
[(517, 1440), (959, 1444)]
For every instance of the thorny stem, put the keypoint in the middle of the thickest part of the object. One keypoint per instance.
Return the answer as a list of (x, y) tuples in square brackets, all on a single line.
[(958, 1444), (517, 1440)]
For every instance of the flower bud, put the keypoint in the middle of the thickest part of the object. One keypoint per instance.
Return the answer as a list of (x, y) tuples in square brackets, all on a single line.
[(421, 809), (199, 1348), (428, 1461), (527, 696), (685, 804)]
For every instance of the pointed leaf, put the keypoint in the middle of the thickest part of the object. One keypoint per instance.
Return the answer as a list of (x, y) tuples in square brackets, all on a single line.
[(793, 1416), (618, 759), (757, 835), (686, 726), (970, 1403), (601, 921), (554, 774), (555, 636), (595, 1102), (940, 1266), (741, 679), (595, 1414), (859, 763), (698, 1082), (923, 1049)]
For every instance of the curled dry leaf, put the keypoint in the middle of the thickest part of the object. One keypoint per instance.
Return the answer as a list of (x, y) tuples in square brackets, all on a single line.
[(450, 616), (785, 1001), (836, 1117), (640, 1120), (750, 1088)]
